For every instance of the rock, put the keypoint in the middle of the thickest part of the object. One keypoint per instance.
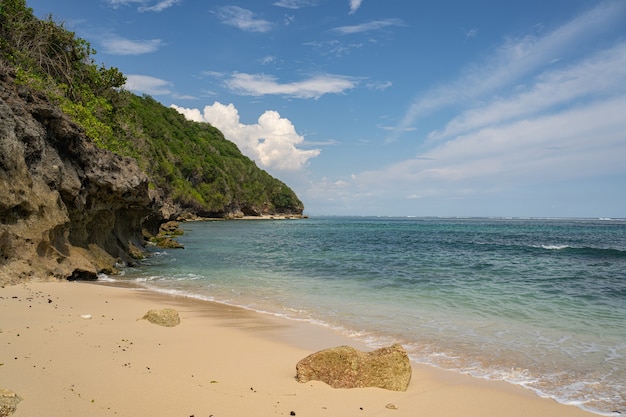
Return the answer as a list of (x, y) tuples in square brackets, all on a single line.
[(167, 317), (170, 228), (8, 402), (346, 367), (68, 209), (166, 242)]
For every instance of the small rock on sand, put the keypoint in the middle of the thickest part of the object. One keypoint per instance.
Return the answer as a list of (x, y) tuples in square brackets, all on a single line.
[(8, 402), (167, 317)]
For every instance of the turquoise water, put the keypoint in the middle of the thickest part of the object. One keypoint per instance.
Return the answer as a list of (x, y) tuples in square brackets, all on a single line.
[(539, 303)]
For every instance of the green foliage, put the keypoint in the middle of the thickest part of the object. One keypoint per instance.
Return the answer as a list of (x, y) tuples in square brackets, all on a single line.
[(190, 162), (53, 60), (47, 48), (203, 170)]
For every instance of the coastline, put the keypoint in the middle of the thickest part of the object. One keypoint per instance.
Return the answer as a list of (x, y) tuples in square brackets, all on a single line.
[(220, 361)]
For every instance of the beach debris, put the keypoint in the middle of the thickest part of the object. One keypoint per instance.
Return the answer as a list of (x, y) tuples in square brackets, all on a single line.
[(347, 367), (391, 406), (85, 316), (8, 402), (167, 317)]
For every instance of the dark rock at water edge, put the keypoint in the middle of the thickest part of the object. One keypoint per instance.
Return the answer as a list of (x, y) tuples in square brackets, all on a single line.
[(68, 209)]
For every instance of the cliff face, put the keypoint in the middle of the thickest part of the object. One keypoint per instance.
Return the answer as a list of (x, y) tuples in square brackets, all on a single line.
[(68, 210)]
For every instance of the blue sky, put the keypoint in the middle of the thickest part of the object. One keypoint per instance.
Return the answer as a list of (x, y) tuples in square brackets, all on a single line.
[(392, 108)]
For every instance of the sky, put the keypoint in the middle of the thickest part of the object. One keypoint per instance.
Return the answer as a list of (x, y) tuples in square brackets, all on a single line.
[(391, 108)]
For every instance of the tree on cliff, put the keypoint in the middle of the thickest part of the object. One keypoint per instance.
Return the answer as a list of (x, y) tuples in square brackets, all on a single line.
[(188, 163), (48, 49)]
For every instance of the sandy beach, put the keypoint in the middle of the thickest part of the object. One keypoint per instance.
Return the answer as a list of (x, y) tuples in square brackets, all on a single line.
[(81, 349)]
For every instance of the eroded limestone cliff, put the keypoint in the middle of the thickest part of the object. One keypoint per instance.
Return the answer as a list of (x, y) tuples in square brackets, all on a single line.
[(68, 210)]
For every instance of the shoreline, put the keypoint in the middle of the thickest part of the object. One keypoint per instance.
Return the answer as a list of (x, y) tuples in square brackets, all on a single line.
[(221, 361)]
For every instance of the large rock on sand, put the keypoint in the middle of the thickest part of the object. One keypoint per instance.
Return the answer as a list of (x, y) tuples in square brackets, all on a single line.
[(346, 367)]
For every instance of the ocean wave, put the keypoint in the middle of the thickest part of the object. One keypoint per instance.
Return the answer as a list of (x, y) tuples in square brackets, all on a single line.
[(585, 251), (554, 247)]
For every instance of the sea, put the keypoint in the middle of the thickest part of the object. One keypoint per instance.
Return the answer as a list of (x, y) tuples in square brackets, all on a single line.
[(539, 303)]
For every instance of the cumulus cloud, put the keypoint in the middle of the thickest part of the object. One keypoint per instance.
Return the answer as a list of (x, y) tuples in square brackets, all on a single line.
[(314, 87), (369, 26), (117, 45), (146, 84), (243, 19), (272, 142), (354, 5)]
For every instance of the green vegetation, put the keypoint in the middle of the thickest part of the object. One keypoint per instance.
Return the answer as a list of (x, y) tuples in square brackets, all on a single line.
[(191, 163)]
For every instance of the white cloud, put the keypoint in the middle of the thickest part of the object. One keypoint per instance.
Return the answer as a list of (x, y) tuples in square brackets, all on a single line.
[(314, 87), (288, 19), (295, 4), (369, 26), (580, 142), (214, 74), (515, 59), (160, 6), (602, 74), (379, 85), (117, 3), (117, 45), (243, 19), (333, 47), (148, 85), (272, 142), (269, 59), (145, 5), (354, 5), (550, 111), (471, 33)]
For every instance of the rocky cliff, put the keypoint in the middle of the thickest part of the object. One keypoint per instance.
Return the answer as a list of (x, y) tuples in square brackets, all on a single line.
[(68, 210)]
